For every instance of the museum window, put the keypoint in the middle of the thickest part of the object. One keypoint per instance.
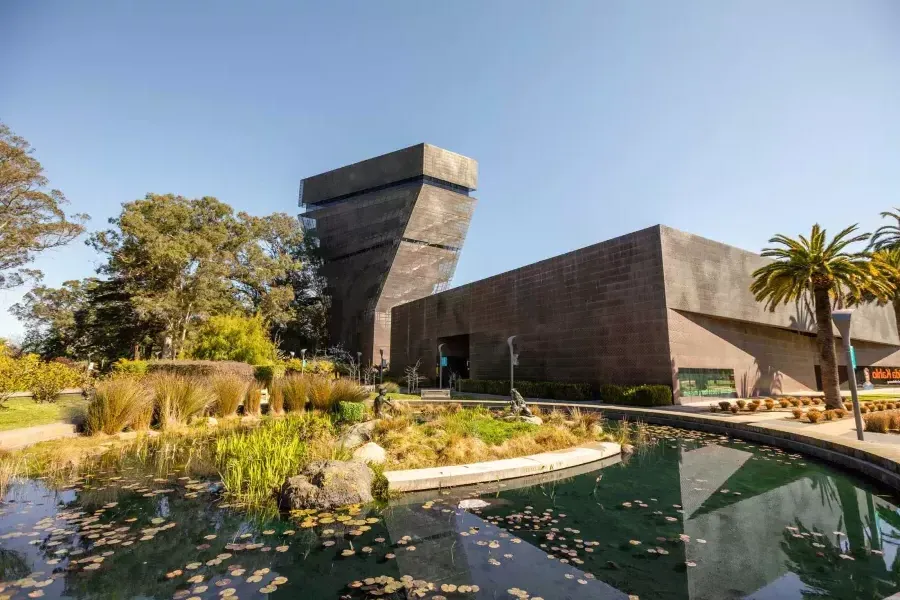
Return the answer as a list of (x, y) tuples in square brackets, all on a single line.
[(718, 383)]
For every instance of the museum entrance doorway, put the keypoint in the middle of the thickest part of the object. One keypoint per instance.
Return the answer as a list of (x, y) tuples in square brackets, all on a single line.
[(456, 357)]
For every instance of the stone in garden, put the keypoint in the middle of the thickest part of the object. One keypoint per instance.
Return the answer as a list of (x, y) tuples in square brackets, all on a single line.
[(532, 419), (328, 484), (357, 435), (370, 452), (471, 503)]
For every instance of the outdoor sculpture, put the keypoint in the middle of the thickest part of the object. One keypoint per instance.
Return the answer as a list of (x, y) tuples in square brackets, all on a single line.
[(382, 401), (517, 404)]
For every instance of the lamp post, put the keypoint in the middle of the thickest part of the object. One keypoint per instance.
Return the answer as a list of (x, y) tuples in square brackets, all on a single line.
[(841, 320), (381, 366), (303, 358), (513, 361), (441, 366)]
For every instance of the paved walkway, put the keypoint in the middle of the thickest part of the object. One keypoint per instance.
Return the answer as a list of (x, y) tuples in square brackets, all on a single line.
[(14, 439)]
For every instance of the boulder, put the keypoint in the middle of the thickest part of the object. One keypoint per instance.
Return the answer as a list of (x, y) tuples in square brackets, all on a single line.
[(370, 453), (470, 503), (357, 435), (532, 420), (328, 484)]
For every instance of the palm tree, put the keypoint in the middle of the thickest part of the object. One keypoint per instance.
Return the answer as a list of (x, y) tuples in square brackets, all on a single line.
[(826, 272), (886, 265), (887, 236)]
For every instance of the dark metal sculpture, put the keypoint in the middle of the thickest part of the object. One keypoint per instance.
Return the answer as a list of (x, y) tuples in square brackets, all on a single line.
[(382, 402), (517, 404)]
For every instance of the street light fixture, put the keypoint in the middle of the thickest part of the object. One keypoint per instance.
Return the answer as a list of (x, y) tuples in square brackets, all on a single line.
[(303, 358), (513, 361), (841, 320), (441, 366)]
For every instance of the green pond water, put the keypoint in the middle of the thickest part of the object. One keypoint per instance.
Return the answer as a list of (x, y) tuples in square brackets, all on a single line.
[(691, 516)]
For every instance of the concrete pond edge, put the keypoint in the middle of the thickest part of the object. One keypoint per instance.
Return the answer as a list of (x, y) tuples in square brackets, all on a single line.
[(431, 478), (877, 461)]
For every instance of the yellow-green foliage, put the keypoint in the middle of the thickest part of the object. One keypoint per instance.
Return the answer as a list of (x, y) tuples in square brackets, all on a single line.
[(254, 464), (295, 389), (125, 366), (116, 404), (317, 366), (228, 393), (234, 337), (29, 373), (179, 398)]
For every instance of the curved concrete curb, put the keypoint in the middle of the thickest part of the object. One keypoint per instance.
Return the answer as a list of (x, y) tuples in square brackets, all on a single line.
[(412, 480), (876, 460)]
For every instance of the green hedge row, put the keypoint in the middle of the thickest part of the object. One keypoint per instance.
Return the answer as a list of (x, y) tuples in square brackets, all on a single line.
[(528, 389), (639, 395), (200, 368)]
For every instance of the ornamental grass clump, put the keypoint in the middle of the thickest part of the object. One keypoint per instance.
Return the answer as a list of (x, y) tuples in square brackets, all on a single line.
[(877, 423), (797, 412), (320, 393), (753, 406), (725, 405), (253, 400), (814, 415), (276, 397), (295, 389), (770, 404), (741, 404), (805, 401), (734, 409), (784, 403), (345, 390), (116, 405), (840, 413), (179, 398), (228, 393)]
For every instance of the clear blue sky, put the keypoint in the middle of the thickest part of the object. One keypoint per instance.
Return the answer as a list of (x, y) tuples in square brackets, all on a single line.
[(733, 120)]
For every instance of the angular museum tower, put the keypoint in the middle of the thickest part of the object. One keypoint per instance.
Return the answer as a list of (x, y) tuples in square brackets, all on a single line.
[(390, 230)]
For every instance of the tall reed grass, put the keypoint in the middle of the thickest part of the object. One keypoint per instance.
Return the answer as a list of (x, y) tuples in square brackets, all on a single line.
[(117, 404), (178, 398), (276, 396), (295, 389), (253, 400), (344, 390), (320, 393), (229, 390)]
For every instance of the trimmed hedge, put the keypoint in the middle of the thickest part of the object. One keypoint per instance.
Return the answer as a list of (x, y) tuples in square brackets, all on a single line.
[(200, 368), (125, 366), (640, 395), (529, 389)]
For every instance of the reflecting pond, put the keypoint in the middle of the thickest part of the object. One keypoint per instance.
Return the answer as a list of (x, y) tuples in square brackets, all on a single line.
[(692, 516)]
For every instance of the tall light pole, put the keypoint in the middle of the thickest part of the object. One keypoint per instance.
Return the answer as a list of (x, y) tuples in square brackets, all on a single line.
[(513, 361), (441, 366), (381, 366), (303, 358), (841, 320)]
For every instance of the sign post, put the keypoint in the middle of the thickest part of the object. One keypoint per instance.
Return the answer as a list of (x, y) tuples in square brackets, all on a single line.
[(841, 320)]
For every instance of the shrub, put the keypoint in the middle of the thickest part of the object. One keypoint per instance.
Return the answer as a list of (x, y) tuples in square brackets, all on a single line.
[(797, 412), (179, 398), (124, 366), (266, 374), (615, 394), (116, 404), (814, 415), (742, 404), (713, 408), (829, 415), (641, 395), (200, 368), (891, 406), (795, 402), (770, 404), (752, 407), (229, 390), (529, 389), (316, 366), (880, 423), (863, 410), (391, 388), (784, 403), (351, 412), (816, 401), (734, 409), (848, 406), (319, 392), (276, 397), (725, 405), (233, 337), (253, 400), (344, 390), (51, 378), (805, 401), (295, 389), (839, 413)]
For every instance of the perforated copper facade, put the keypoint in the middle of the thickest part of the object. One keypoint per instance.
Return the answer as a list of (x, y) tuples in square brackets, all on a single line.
[(390, 230)]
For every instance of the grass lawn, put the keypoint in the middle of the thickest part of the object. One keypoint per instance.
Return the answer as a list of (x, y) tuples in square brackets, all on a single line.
[(25, 412)]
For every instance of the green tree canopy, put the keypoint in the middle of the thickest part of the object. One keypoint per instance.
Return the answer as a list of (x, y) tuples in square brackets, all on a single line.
[(31, 217), (823, 271)]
